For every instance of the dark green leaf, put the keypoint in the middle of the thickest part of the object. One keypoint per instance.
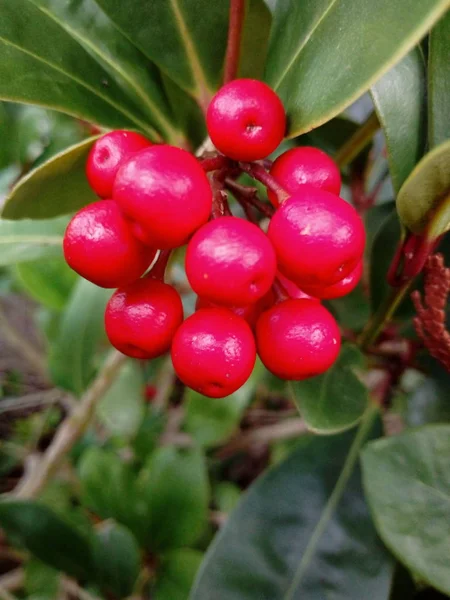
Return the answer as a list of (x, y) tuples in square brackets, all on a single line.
[(194, 30), (399, 98), (174, 487), (226, 496), (60, 72), (255, 39), (72, 355), (116, 559), (351, 311), (324, 54), (47, 536), (439, 82), (56, 187), (407, 482), (302, 531), (41, 580), (30, 240), (429, 402), (48, 281), (336, 400), (176, 574), (425, 195)]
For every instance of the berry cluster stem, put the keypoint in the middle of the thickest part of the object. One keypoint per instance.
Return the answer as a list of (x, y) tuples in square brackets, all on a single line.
[(237, 13), (259, 173), (159, 268), (220, 201), (248, 196)]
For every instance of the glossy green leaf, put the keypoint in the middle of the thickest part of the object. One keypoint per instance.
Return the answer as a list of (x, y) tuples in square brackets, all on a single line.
[(425, 195), (336, 400), (324, 54), (439, 82), (211, 423), (48, 281), (174, 486), (41, 581), (255, 39), (72, 355), (176, 574), (301, 531), (48, 537), (60, 73), (57, 187), (407, 482), (116, 558), (194, 30), (22, 241), (400, 102), (351, 311)]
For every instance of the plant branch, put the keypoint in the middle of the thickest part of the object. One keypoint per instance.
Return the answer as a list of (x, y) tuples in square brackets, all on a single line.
[(259, 173), (70, 430), (358, 141), (237, 13), (248, 196)]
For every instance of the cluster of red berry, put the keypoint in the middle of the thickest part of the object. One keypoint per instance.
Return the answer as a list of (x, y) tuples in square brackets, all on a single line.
[(257, 292)]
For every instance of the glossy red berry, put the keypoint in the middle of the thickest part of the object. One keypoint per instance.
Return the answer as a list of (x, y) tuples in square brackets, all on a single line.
[(318, 237), (292, 290), (230, 261), (106, 156), (213, 352), (341, 288), (297, 339), (165, 191), (248, 312), (305, 164), (246, 120), (99, 246), (142, 318)]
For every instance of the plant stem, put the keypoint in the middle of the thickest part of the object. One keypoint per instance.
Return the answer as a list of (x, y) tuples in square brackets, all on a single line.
[(71, 429), (215, 162), (248, 196), (259, 173), (237, 13), (358, 141)]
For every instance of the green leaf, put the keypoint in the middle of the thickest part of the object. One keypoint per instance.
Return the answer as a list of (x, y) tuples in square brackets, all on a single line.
[(407, 482), (41, 580), (425, 195), (60, 72), (48, 281), (336, 400), (48, 537), (324, 54), (428, 402), (122, 408), (211, 422), (26, 240), (174, 486), (56, 187), (400, 103), (439, 82), (116, 559), (81, 329), (176, 574), (194, 30), (301, 531), (255, 39)]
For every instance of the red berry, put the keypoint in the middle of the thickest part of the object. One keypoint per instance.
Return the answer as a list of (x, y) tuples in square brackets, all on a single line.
[(292, 290), (99, 246), (249, 312), (297, 339), (298, 166), (246, 120), (165, 191), (142, 318), (341, 288), (107, 155), (318, 237), (213, 352), (230, 261)]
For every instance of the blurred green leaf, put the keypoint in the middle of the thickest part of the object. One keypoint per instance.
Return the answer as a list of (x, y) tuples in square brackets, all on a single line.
[(400, 102), (149, 433), (41, 580), (194, 30), (439, 82), (27, 240), (48, 537), (174, 487), (351, 311), (57, 187), (72, 356), (255, 39), (116, 559), (60, 73), (336, 400), (122, 408), (426, 193), (49, 281), (176, 574), (407, 482), (302, 530), (226, 496), (319, 66)]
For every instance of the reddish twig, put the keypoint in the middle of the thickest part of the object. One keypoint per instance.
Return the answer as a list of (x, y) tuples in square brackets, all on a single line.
[(159, 268), (259, 173), (213, 163), (249, 196), (237, 13), (220, 200)]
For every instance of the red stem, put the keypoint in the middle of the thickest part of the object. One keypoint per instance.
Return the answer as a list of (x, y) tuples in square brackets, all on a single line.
[(249, 196), (260, 174), (220, 206), (214, 163), (237, 13), (159, 268)]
